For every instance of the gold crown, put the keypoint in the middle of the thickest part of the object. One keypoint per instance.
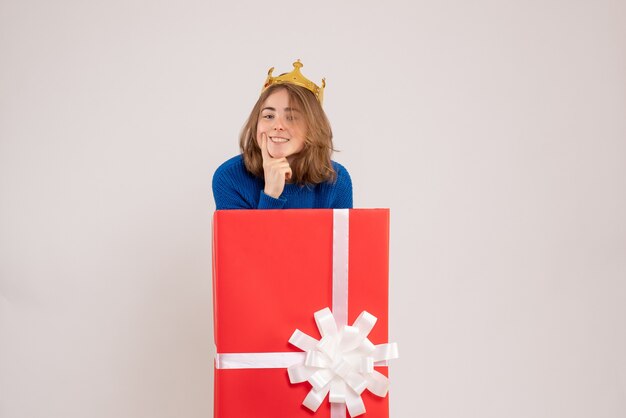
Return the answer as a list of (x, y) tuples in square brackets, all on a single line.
[(296, 77)]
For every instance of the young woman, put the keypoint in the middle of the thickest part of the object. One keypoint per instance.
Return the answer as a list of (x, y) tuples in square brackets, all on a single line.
[(286, 146)]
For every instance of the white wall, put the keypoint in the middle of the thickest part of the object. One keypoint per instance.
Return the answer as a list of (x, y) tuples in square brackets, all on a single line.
[(495, 131)]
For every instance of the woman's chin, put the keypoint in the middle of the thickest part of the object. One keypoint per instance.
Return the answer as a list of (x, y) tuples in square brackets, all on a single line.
[(277, 153)]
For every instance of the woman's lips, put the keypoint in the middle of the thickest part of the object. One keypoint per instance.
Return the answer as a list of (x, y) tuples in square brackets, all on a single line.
[(278, 140)]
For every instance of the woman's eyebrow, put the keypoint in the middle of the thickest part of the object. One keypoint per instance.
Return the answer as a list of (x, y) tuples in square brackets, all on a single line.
[(287, 109)]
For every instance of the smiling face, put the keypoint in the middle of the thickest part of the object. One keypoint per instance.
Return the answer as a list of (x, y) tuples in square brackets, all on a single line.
[(283, 124)]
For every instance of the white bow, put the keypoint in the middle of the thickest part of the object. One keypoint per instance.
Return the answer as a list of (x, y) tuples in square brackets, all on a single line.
[(341, 363)]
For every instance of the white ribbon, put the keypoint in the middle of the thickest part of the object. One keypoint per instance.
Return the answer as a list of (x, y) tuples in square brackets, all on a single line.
[(258, 360), (341, 364), (341, 251)]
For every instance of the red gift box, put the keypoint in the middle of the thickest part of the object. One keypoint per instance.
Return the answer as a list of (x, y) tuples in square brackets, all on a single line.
[(272, 269)]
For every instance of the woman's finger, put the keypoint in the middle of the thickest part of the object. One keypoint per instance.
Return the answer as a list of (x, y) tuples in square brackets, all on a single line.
[(264, 153)]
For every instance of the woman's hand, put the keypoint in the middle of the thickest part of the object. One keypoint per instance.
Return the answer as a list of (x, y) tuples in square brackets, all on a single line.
[(276, 171)]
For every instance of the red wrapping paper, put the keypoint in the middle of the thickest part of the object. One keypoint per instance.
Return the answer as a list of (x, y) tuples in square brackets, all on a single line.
[(272, 270)]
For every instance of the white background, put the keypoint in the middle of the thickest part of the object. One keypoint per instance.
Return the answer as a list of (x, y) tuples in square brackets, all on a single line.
[(494, 130)]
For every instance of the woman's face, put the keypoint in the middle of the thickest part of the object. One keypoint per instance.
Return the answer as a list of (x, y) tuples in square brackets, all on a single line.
[(284, 126)]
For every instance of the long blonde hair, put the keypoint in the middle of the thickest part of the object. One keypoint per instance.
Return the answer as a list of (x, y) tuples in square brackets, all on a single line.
[(311, 165)]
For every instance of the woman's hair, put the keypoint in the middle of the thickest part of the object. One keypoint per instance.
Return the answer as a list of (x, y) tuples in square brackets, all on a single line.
[(312, 164)]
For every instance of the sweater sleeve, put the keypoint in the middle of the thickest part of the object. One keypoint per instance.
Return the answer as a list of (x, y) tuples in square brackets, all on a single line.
[(342, 198), (225, 193), (269, 202)]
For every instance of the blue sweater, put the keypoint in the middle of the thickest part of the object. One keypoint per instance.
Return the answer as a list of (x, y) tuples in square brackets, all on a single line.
[(234, 187)]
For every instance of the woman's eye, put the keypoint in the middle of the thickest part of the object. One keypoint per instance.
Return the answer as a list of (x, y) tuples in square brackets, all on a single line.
[(268, 116)]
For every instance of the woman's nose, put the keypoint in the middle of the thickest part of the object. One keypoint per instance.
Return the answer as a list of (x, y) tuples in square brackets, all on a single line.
[(279, 124)]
